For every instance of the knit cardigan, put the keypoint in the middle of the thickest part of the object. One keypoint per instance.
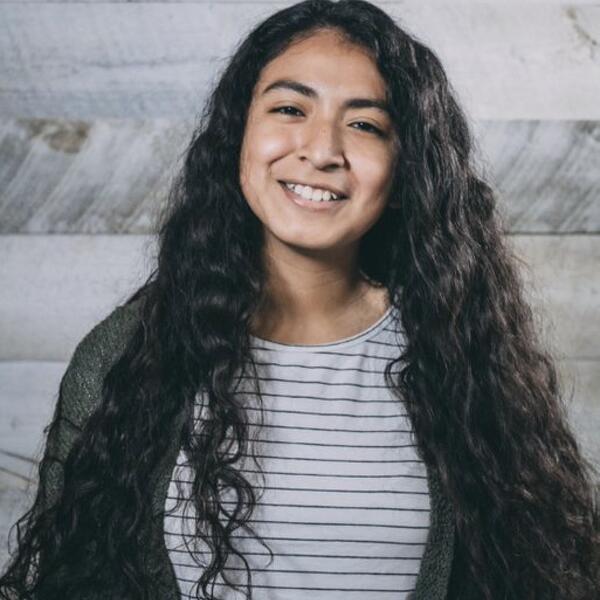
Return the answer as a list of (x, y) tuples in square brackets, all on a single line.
[(81, 388)]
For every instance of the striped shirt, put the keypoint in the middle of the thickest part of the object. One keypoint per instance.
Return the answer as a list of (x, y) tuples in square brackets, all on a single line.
[(344, 503)]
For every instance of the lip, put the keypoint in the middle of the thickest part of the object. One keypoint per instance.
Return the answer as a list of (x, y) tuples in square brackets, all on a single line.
[(310, 204), (336, 191)]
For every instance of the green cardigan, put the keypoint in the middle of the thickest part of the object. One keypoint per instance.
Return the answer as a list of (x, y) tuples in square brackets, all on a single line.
[(81, 395)]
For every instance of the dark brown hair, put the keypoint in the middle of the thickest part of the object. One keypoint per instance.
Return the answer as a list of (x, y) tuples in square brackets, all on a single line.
[(483, 394)]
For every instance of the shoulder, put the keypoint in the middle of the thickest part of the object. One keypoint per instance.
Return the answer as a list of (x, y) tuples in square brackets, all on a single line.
[(101, 346), (108, 337), (81, 390)]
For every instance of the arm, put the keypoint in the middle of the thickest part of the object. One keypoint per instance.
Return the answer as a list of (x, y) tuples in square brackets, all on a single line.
[(80, 395), (36, 569)]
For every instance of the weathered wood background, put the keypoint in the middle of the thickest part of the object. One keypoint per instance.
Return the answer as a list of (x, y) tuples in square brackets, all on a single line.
[(97, 101)]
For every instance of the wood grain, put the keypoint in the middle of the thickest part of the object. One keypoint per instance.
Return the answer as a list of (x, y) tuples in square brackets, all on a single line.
[(562, 281), (107, 176), (98, 101), (140, 60), (113, 176), (56, 286), (276, 3), (30, 391)]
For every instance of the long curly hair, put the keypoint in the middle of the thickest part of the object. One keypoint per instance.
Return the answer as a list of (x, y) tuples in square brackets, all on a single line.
[(483, 394)]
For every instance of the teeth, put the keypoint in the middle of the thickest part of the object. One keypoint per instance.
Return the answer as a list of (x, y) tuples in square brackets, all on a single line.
[(309, 193)]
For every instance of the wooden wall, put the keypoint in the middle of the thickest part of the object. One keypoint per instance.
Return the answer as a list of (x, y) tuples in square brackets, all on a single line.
[(97, 101)]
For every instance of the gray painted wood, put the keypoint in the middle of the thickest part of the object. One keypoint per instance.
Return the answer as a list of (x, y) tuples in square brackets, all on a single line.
[(28, 393), (55, 287), (278, 2), (562, 280), (97, 104), (105, 176), (29, 390), (13, 504), (113, 176), (546, 173), (533, 61), (581, 383)]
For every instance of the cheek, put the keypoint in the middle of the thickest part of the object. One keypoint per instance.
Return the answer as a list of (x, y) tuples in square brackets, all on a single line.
[(374, 173), (257, 152), (265, 142), (261, 148)]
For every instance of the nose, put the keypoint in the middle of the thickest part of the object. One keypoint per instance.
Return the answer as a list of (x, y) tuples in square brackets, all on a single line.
[(322, 145)]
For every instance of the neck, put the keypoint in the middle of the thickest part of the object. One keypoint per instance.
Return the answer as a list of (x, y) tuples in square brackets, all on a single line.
[(314, 302)]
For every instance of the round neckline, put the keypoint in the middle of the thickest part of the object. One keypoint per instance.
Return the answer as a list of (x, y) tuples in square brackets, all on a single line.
[(370, 331)]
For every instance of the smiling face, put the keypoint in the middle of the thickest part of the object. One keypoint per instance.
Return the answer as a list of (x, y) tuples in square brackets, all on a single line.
[(316, 118)]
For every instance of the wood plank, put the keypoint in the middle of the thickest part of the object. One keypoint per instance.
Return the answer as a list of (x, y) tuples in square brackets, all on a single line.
[(545, 173), (562, 278), (581, 383), (106, 176), (276, 3), (533, 60), (13, 504), (112, 176), (29, 390), (56, 287)]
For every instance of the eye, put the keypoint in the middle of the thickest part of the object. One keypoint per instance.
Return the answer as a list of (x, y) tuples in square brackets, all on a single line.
[(278, 110), (371, 128)]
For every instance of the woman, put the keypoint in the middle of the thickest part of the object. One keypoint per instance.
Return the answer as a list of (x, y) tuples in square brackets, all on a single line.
[(327, 197)]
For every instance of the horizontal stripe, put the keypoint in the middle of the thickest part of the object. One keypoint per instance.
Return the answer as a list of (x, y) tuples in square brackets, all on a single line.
[(362, 462), (319, 540), (377, 508), (378, 476), (317, 589)]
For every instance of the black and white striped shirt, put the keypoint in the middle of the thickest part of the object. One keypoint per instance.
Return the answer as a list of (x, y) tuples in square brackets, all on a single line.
[(344, 504)]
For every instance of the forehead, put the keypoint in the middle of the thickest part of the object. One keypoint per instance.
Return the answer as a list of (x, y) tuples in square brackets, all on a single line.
[(331, 65)]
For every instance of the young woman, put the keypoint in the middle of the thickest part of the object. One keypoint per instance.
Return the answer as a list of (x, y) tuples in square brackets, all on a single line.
[(331, 384)]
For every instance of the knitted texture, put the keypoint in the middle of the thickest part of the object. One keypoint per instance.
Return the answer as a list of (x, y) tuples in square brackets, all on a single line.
[(82, 394)]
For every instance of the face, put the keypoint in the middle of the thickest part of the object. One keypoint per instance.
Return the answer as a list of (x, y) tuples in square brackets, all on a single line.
[(310, 133)]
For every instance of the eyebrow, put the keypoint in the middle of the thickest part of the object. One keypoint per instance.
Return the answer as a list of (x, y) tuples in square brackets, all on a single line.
[(305, 90)]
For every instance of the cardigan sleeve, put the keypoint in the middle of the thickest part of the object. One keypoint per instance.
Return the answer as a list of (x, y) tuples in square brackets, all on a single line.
[(80, 394)]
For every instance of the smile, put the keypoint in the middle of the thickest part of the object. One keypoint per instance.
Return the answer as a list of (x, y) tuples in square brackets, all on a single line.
[(311, 205), (314, 193)]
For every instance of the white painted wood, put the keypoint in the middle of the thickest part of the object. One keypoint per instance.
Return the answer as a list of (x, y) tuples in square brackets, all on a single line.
[(581, 382), (383, 3), (56, 287), (506, 60), (545, 173), (28, 393), (13, 504), (113, 176), (562, 279), (151, 65), (29, 390), (106, 176)]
